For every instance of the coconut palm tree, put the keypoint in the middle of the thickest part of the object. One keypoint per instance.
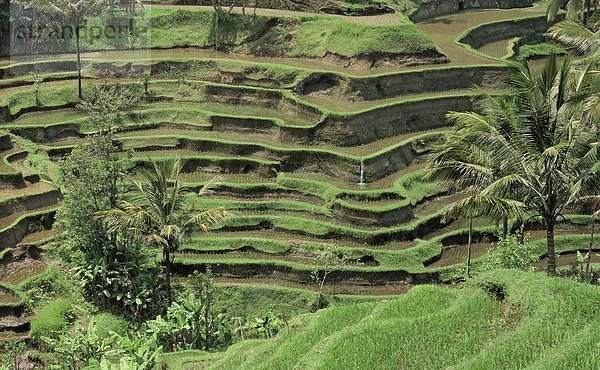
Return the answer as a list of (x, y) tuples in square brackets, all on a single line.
[(539, 158), (575, 35), (456, 164), (158, 214), (74, 13), (576, 9)]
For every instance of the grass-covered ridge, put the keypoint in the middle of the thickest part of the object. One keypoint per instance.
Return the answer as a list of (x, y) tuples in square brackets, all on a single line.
[(505, 319), (313, 36)]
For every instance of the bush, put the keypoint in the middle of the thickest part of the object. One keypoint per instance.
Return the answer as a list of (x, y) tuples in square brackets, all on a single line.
[(51, 319), (511, 253)]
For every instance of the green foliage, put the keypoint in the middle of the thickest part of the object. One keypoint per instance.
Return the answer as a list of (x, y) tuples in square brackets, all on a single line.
[(10, 352), (309, 37), (123, 276), (76, 349), (91, 347), (105, 105), (158, 215), (247, 301), (326, 262), (185, 326), (524, 154), (108, 323), (134, 351), (267, 326), (90, 178), (51, 319), (145, 80), (510, 253)]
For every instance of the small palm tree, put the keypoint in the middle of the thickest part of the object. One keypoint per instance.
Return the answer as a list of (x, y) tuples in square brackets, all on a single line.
[(74, 13), (158, 213)]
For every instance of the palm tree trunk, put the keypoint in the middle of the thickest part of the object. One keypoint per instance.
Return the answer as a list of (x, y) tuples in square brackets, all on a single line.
[(551, 267), (586, 12), (167, 260), (589, 261), (469, 247), (78, 51), (504, 227)]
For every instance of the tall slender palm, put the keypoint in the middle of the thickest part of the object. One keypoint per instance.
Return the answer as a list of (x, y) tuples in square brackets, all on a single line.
[(74, 13), (158, 215), (454, 164), (542, 159)]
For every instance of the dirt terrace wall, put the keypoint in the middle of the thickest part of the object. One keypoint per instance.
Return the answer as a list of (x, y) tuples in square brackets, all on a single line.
[(46, 134), (29, 224), (428, 81), (5, 142), (264, 98), (290, 161), (364, 217), (498, 31), (257, 270), (11, 181), (30, 203), (245, 125), (43, 67), (387, 121), (434, 8), (223, 165), (392, 85), (388, 163)]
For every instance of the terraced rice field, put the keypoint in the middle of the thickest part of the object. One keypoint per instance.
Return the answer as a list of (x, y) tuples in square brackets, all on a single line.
[(326, 158)]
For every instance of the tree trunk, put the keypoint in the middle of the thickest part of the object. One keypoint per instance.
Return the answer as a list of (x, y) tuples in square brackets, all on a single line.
[(167, 258), (551, 267), (586, 12), (78, 51), (504, 227), (589, 261), (323, 281), (469, 247)]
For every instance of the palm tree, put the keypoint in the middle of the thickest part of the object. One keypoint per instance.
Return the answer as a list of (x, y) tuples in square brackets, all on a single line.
[(576, 9), (575, 35), (538, 157), (74, 13), (158, 213), (452, 163)]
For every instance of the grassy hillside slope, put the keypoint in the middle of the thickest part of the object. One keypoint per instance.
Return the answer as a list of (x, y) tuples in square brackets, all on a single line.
[(501, 320)]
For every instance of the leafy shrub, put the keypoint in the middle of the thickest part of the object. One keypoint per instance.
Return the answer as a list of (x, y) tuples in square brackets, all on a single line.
[(75, 349), (51, 319), (267, 326), (511, 252), (92, 347), (10, 351), (186, 326)]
